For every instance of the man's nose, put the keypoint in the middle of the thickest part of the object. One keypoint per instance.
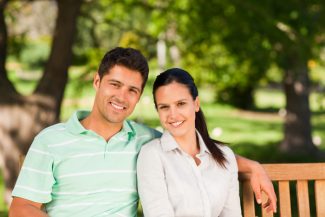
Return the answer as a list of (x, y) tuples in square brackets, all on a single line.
[(122, 94)]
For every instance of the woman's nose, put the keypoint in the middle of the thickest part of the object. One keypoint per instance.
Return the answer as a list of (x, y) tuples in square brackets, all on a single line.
[(173, 112)]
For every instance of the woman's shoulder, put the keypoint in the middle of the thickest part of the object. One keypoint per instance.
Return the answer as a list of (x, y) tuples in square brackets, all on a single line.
[(150, 154), (229, 155), (153, 145), (226, 150)]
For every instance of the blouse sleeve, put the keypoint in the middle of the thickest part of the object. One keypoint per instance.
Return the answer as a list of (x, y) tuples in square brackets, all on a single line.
[(152, 186), (232, 205)]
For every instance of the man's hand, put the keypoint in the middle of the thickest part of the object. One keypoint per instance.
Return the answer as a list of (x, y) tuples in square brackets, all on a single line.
[(260, 182)]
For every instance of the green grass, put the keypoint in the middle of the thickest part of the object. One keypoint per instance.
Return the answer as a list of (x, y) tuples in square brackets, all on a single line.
[(3, 213), (3, 208)]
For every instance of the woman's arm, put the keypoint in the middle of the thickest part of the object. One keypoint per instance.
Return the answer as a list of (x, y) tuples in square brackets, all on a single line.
[(259, 181), (152, 186)]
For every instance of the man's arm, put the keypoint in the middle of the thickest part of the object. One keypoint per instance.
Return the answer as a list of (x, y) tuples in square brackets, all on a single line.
[(259, 181), (21, 207)]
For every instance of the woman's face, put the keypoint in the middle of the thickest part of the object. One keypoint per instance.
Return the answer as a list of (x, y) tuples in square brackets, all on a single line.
[(176, 109)]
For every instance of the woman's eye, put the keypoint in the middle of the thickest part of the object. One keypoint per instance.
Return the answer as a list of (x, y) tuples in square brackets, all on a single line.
[(162, 107)]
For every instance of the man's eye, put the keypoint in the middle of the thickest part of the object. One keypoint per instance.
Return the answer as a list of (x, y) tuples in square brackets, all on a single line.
[(134, 91), (114, 84)]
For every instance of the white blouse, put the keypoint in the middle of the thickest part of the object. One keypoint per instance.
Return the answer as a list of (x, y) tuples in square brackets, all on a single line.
[(171, 184)]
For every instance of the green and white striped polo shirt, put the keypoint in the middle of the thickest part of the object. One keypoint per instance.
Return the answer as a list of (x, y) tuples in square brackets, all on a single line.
[(75, 172)]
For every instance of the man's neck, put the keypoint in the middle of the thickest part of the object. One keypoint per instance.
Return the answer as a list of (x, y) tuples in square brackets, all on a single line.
[(100, 126)]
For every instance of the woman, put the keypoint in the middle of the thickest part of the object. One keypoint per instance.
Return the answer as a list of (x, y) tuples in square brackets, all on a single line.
[(185, 172)]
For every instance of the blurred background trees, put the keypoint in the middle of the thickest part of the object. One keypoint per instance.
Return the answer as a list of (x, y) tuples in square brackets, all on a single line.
[(261, 33), (22, 117), (231, 48)]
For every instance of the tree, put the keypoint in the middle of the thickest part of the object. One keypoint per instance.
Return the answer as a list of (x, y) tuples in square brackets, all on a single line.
[(269, 31), (22, 117)]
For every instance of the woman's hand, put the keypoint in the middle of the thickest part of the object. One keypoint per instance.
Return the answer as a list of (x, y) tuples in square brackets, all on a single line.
[(260, 182)]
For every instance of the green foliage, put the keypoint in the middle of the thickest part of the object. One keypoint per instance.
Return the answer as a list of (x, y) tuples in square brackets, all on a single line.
[(107, 24), (139, 24), (15, 45), (256, 35), (34, 54), (24, 86)]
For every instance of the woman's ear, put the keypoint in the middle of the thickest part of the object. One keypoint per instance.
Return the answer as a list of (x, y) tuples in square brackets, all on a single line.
[(197, 104)]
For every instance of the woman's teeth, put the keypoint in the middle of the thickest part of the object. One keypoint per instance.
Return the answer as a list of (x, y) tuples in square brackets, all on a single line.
[(176, 124)]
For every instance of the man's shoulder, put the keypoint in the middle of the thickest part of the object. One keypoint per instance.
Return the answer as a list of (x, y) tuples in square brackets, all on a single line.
[(52, 131), (142, 129), (49, 136)]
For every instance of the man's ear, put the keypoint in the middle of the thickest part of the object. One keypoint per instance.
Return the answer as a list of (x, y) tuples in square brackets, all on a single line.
[(96, 81)]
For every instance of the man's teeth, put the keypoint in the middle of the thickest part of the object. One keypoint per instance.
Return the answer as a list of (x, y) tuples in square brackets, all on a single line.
[(176, 124), (117, 106)]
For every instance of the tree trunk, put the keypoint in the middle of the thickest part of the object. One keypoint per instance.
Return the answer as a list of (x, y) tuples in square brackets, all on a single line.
[(54, 79), (297, 127), (22, 117), (5, 85)]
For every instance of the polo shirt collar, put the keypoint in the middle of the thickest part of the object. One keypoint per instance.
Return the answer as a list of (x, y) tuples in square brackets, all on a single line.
[(74, 125), (168, 142), (127, 128)]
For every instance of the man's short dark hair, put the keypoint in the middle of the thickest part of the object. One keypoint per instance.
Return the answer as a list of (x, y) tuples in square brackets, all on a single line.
[(127, 57)]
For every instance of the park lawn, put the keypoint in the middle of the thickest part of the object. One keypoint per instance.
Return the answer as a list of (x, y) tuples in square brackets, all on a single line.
[(3, 208)]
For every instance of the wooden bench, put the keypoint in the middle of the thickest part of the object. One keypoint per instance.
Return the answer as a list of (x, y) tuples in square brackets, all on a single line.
[(283, 174)]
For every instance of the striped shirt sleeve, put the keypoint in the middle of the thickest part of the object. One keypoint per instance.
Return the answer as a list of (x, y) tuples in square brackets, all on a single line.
[(36, 179)]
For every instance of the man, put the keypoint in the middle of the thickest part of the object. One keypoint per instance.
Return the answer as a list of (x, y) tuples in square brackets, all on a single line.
[(87, 166)]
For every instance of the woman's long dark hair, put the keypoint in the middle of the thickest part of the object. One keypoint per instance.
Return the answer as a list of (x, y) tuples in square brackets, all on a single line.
[(183, 77)]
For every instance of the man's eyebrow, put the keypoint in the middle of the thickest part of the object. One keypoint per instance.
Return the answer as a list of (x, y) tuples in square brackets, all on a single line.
[(116, 81)]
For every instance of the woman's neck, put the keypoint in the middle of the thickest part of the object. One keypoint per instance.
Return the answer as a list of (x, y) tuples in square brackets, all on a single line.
[(189, 143)]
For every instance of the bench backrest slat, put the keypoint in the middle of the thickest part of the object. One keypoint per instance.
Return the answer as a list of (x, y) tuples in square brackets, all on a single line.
[(284, 174)]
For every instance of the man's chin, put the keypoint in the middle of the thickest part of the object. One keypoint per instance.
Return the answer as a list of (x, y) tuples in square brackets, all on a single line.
[(117, 120)]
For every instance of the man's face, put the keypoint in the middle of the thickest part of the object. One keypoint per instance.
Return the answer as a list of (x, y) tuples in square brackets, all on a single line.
[(117, 93)]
